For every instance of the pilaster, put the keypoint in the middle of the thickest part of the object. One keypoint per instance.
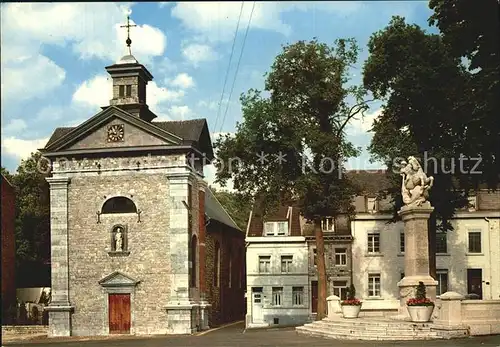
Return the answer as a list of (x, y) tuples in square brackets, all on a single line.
[(415, 220), (180, 306), (60, 308)]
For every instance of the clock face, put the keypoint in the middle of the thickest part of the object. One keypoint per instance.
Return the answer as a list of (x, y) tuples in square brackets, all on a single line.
[(115, 133)]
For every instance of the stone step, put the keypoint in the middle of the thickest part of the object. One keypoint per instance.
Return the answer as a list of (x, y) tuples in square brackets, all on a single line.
[(375, 327), (382, 323), (354, 331), (341, 335)]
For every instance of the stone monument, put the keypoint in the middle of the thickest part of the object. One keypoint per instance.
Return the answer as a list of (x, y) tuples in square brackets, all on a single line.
[(415, 214)]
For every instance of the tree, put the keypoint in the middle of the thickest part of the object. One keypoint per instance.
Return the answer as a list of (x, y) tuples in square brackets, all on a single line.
[(32, 230), (236, 205), (291, 145), (422, 85), (471, 30)]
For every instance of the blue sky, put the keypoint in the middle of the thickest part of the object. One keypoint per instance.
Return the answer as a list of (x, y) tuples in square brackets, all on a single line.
[(54, 54)]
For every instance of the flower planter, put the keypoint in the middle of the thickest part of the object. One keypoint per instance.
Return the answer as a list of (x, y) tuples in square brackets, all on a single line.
[(351, 311), (420, 314)]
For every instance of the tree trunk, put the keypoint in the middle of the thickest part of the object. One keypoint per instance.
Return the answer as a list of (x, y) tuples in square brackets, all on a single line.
[(431, 233), (321, 266)]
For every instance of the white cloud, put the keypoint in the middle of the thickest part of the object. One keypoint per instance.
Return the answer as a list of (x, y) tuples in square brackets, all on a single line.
[(196, 53), (29, 76), (14, 126), (210, 170), (208, 104), (362, 125), (21, 149), (216, 21), (180, 112), (182, 80), (91, 29)]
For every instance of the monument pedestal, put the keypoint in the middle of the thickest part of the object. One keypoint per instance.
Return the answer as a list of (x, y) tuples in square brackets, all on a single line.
[(415, 220)]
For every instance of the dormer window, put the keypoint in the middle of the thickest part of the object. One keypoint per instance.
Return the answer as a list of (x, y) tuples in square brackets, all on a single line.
[(328, 224), (372, 205), (276, 228), (472, 203)]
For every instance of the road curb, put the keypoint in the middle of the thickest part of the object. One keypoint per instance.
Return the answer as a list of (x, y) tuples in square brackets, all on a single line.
[(218, 328)]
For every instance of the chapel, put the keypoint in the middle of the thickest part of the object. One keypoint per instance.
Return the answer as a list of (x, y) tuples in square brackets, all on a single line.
[(139, 243)]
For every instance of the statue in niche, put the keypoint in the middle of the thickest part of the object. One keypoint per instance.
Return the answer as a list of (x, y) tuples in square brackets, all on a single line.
[(415, 184), (118, 240)]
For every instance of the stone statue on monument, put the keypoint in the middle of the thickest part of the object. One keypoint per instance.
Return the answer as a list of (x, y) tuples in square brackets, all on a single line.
[(415, 183)]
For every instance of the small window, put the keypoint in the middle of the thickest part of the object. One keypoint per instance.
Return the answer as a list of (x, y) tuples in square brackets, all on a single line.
[(217, 265), (194, 259), (402, 274), (373, 243), (441, 244), (121, 90), (328, 224), (315, 257), (119, 204), (472, 203), (129, 90), (264, 264), (340, 289), (374, 285), (277, 296), (340, 256), (297, 296), (286, 263), (474, 242), (442, 278), (402, 242), (276, 228), (371, 204)]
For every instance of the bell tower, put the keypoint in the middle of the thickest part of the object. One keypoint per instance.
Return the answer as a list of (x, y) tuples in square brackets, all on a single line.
[(130, 79)]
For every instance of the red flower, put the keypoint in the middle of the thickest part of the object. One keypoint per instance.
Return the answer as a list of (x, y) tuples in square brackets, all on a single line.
[(351, 302), (419, 302)]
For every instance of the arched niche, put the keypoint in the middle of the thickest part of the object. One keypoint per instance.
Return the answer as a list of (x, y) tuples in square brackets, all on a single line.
[(118, 204)]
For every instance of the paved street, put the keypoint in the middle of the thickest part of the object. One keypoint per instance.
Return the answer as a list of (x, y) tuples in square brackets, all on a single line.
[(235, 336)]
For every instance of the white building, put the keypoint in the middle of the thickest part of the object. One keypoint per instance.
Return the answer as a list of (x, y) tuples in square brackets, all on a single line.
[(467, 261), (277, 270)]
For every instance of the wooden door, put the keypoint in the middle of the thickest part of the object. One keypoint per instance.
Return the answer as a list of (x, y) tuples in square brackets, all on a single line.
[(119, 313), (314, 296), (475, 282)]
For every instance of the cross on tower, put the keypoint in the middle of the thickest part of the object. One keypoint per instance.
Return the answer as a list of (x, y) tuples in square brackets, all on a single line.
[(128, 26)]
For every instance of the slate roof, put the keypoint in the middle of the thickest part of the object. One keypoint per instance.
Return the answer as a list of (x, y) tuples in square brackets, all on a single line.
[(188, 130), (256, 226), (214, 210), (369, 181)]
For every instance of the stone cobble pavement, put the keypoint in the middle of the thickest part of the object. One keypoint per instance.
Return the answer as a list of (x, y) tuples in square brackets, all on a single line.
[(236, 336)]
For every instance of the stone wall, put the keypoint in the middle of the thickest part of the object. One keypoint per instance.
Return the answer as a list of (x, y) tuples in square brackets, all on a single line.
[(228, 301), (481, 317), (8, 251), (90, 244)]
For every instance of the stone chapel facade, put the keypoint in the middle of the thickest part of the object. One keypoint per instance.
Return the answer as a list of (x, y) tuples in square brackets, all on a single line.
[(128, 221)]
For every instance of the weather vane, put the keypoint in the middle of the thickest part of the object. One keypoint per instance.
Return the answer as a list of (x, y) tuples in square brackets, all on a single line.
[(128, 26)]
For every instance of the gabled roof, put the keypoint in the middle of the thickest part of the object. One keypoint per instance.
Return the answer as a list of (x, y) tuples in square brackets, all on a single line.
[(71, 135), (214, 210), (369, 181), (291, 214), (193, 133)]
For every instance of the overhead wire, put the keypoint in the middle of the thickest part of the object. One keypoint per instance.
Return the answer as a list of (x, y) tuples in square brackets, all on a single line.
[(229, 65), (237, 66)]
